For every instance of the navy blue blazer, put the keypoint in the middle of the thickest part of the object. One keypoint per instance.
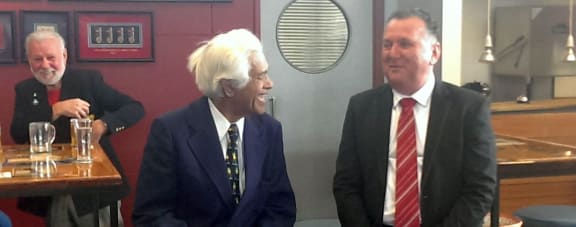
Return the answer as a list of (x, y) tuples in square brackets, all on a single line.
[(183, 181)]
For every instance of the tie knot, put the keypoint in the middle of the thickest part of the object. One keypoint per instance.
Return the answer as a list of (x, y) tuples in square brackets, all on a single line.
[(233, 133), (407, 103)]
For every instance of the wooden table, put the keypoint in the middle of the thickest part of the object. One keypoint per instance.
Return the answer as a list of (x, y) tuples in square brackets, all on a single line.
[(521, 157), (541, 167), (18, 177)]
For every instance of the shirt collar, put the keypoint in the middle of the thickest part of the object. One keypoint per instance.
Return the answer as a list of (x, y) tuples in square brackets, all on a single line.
[(222, 124), (422, 96)]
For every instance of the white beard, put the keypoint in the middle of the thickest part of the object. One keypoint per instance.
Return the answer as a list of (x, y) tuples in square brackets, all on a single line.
[(49, 76)]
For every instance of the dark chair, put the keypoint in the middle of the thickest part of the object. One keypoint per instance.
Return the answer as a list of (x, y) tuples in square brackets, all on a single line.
[(328, 222), (548, 216)]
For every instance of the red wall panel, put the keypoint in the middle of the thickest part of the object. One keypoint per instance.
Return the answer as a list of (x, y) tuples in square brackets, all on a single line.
[(161, 86)]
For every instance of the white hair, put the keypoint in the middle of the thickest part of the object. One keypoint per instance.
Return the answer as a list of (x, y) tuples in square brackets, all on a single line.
[(226, 56), (44, 35)]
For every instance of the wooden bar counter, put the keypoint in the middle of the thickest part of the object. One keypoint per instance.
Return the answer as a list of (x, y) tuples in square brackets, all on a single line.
[(537, 159), (535, 106)]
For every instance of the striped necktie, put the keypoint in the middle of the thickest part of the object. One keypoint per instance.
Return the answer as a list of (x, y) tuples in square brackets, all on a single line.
[(232, 162), (407, 197)]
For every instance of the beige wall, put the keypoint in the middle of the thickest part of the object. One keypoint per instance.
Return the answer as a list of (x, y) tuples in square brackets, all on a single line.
[(473, 32)]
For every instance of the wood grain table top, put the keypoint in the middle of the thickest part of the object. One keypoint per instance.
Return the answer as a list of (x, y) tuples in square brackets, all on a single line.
[(22, 174)]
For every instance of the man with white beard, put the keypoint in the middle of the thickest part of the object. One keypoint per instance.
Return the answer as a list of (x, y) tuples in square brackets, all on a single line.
[(57, 94)]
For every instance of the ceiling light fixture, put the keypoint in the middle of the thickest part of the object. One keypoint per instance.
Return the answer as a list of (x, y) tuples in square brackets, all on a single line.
[(487, 56), (570, 41)]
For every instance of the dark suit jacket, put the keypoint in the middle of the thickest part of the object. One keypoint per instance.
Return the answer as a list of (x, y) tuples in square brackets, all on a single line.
[(459, 171), (183, 181), (116, 109)]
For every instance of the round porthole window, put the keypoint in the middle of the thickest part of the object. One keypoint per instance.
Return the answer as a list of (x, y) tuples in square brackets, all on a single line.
[(312, 35)]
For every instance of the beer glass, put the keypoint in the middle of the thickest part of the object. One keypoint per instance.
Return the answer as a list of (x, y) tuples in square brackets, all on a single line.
[(75, 123), (84, 144), (42, 135), (43, 166)]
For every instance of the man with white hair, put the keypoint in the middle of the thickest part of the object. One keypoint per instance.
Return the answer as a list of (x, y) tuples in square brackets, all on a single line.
[(56, 94), (220, 160)]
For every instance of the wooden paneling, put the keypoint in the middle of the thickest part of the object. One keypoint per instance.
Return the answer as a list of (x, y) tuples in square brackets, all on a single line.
[(378, 29), (522, 192)]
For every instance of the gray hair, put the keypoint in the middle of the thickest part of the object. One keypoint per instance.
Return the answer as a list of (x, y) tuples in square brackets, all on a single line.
[(226, 56), (431, 25), (44, 35)]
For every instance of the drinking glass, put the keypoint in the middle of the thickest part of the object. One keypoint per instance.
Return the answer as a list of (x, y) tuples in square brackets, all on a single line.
[(42, 135), (75, 123), (43, 165), (84, 144)]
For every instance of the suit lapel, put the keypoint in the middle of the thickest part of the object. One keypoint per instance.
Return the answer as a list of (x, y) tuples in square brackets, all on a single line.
[(383, 110), (254, 153), (205, 145), (439, 107), (39, 97), (68, 91)]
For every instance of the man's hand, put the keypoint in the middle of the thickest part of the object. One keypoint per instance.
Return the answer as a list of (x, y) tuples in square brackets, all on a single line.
[(99, 127), (74, 108)]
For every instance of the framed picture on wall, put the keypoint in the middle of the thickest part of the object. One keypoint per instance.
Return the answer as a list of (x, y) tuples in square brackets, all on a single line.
[(7, 52), (208, 1), (32, 21), (114, 36)]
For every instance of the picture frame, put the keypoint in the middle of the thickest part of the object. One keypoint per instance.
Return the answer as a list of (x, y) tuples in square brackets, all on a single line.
[(197, 1), (44, 20), (7, 44), (114, 36)]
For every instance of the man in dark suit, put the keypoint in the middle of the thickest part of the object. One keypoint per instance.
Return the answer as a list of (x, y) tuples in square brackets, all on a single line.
[(453, 142), (218, 161), (56, 94)]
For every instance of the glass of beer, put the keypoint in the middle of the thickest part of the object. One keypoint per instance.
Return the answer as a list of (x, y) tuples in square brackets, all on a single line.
[(76, 123), (84, 147)]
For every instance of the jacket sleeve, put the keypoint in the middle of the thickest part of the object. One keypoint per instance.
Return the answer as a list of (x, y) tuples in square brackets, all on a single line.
[(157, 188), (120, 110), (348, 185), (479, 181)]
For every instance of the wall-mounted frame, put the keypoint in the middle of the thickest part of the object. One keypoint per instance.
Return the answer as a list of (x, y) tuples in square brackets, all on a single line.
[(32, 21), (209, 1), (7, 44), (114, 36)]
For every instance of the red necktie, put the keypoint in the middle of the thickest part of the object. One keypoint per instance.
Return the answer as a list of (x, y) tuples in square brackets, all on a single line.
[(407, 196)]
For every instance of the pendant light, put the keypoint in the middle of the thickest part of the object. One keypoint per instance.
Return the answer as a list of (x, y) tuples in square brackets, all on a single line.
[(570, 41), (487, 56)]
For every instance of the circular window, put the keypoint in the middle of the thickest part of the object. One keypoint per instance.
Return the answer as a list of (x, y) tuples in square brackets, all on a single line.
[(312, 35)]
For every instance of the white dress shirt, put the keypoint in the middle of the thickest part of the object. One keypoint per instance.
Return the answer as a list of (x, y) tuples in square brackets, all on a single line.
[(222, 124), (421, 113)]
